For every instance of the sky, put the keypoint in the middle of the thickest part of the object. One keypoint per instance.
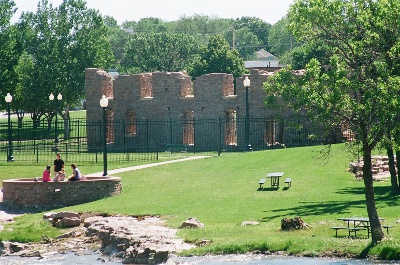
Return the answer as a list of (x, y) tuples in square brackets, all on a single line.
[(270, 11)]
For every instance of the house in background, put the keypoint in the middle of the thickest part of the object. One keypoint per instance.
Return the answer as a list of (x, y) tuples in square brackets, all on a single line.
[(265, 61)]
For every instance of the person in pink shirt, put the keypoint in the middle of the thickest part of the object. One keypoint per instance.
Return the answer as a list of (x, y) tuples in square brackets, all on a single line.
[(46, 174)]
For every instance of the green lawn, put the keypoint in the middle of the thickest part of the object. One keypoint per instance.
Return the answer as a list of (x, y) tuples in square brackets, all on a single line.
[(222, 192)]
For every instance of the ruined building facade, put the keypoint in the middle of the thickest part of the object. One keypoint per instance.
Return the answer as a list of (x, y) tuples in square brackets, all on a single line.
[(164, 108)]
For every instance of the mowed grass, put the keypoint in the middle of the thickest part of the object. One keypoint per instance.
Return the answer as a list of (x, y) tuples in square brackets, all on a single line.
[(223, 191)]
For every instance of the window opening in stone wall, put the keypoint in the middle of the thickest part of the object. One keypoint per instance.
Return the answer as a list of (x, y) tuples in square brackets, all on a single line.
[(273, 132), (110, 126), (188, 127), (131, 122), (146, 90), (230, 128)]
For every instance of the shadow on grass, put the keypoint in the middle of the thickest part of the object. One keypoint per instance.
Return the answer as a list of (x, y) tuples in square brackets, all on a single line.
[(382, 195), (268, 189), (316, 208)]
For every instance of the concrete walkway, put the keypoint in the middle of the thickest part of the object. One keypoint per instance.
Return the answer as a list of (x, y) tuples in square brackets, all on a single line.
[(120, 170)]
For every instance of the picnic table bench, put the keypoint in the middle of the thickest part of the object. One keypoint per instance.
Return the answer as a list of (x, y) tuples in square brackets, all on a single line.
[(261, 182), (349, 229), (288, 181)]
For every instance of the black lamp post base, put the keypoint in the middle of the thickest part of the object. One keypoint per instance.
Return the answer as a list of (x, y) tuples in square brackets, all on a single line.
[(249, 148)]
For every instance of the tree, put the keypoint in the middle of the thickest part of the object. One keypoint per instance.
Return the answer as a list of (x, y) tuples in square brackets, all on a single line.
[(217, 57), (150, 52), (117, 38), (244, 41), (256, 26), (301, 55), (9, 51), (361, 84), (60, 43), (280, 39)]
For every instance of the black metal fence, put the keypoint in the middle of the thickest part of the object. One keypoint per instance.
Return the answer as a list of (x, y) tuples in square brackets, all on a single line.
[(146, 139)]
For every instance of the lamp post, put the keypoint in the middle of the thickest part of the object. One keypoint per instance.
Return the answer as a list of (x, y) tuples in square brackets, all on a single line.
[(59, 98), (246, 84), (10, 157), (104, 105)]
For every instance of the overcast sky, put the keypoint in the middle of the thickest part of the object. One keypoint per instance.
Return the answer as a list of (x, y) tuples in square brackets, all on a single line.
[(133, 10)]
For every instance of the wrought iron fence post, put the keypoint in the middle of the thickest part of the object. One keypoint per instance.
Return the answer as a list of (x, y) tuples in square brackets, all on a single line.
[(220, 135)]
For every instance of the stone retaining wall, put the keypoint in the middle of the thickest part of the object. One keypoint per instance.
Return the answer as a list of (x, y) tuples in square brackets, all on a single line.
[(37, 195)]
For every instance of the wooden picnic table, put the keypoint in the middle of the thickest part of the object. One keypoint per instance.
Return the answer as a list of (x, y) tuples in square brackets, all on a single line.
[(355, 224), (275, 176)]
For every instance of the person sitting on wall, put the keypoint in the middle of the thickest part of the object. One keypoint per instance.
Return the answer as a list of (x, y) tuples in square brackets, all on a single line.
[(76, 174), (58, 167), (59, 176), (46, 174)]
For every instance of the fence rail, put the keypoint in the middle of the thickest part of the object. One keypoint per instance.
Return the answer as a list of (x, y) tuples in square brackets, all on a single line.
[(145, 139)]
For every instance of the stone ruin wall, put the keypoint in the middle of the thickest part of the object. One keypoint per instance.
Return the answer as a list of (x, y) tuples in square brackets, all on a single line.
[(164, 95), (170, 95)]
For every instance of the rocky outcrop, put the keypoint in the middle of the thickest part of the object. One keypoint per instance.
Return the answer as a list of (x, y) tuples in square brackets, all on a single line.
[(141, 241), (145, 240), (380, 168)]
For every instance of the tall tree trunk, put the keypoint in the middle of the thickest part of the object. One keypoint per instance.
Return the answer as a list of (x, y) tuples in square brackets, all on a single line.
[(392, 170), (376, 228), (397, 165)]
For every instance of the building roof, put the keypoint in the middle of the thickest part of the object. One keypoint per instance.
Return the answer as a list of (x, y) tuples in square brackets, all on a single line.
[(263, 55)]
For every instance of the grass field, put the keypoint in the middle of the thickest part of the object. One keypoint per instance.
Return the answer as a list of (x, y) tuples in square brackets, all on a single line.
[(223, 191)]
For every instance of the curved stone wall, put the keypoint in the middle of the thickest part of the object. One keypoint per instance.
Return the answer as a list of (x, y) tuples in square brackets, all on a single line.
[(29, 194)]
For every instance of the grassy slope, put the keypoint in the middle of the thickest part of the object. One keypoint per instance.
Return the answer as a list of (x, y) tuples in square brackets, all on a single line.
[(223, 191)]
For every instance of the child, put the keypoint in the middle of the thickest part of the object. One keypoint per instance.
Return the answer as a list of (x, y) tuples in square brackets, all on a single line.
[(46, 174), (59, 176)]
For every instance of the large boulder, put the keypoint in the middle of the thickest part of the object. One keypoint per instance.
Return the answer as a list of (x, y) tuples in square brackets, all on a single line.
[(192, 223)]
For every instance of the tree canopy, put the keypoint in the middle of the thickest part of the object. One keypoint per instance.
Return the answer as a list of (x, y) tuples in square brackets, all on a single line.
[(217, 57), (59, 44), (10, 50), (150, 52), (359, 86)]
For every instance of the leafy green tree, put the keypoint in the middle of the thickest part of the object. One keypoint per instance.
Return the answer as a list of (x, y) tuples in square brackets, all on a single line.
[(361, 84), (60, 43), (256, 26), (245, 42), (302, 55), (149, 52), (280, 39), (117, 38), (217, 57), (10, 51), (201, 27)]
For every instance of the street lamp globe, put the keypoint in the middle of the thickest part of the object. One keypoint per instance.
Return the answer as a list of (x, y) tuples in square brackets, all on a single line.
[(246, 82), (51, 97), (59, 97), (103, 102), (8, 98)]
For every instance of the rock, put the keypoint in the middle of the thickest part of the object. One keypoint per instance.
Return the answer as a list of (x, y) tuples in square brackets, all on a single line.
[(246, 223), (49, 215), (293, 223), (192, 223), (13, 247), (202, 243), (66, 215), (67, 222), (70, 234)]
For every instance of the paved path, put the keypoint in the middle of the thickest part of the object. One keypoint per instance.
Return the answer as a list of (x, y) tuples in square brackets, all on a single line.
[(120, 170)]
